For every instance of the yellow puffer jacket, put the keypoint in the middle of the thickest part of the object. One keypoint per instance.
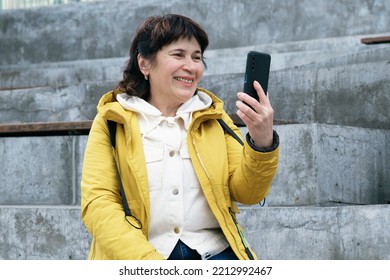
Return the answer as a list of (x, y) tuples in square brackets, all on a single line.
[(226, 171)]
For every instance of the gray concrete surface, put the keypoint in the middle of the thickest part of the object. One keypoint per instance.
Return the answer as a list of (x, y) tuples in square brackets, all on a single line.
[(275, 233), (330, 52), (319, 165), (327, 164), (350, 94), (104, 29), (41, 170), (61, 73), (64, 103), (42, 233), (319, 233)]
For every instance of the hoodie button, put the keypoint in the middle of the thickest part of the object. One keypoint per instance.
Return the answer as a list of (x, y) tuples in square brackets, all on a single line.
[(172, 153)]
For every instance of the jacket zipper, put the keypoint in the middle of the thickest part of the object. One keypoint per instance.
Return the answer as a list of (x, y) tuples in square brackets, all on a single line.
[(94, 249), (243, 239), (241, 234), (200, 159)]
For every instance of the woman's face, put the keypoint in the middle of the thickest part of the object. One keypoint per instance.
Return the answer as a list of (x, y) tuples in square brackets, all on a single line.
[(175, 74)]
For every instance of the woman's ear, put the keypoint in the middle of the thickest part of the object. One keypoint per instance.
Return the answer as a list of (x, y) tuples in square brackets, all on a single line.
[(143, 65)]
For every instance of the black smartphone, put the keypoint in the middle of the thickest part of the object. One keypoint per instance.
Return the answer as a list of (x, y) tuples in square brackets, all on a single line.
[(257, 69)]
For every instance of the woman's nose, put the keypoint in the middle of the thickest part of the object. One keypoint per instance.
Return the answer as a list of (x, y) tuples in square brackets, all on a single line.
[(190, 65)]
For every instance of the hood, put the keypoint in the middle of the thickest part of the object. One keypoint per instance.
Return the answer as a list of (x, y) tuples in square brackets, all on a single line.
[(121, 107)]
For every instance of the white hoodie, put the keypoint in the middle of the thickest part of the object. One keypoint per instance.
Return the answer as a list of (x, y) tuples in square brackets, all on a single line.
[(179, 209)]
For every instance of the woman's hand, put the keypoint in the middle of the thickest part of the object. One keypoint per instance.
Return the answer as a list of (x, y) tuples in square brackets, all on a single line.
[(258, 120)]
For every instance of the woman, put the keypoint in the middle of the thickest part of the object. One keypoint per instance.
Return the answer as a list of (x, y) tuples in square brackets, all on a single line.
[(180, 172)]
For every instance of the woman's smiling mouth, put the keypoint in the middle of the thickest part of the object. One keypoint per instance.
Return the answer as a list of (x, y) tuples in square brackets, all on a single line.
[(184, 80)]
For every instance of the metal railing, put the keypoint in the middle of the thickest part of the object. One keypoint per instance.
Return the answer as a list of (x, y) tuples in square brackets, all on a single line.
[(23, 4)]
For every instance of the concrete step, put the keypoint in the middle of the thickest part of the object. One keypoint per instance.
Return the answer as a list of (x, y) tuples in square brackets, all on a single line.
[(351, 94), (52, 104), (42, 170), (275, 233), (319, 165), (321, 53), (333, 51), (61, 73), (319, 233), (37, 35), (327, 164), (42, 233)]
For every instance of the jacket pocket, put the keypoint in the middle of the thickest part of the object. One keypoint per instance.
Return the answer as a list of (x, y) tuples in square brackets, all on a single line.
[(154, 157)]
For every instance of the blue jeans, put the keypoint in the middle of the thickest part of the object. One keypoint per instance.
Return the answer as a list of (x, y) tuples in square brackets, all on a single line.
[(183, 252)]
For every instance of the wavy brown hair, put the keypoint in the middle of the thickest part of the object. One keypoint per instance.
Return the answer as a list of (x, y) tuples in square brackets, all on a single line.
[(152, 35)]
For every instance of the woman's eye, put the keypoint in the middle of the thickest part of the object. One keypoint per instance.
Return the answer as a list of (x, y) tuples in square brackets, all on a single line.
[(197, 58), (178, 54)]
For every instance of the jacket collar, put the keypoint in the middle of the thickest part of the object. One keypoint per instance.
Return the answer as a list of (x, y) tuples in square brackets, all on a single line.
[(110, 108), (151, 117)]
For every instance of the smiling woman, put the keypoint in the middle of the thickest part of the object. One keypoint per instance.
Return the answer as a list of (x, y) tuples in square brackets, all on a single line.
[(154, 34), (174, 75), (172, 163)]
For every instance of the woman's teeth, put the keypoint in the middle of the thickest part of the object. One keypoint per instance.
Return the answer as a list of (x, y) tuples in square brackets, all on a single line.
[(184, 80)]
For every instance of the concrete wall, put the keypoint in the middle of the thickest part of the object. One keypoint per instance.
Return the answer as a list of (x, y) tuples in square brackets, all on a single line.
[(48, 233), (275, 233), (351, 94), (327, 52), (319, 165), (319, 233), (41, 170), (327, 165), (104, 29)]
